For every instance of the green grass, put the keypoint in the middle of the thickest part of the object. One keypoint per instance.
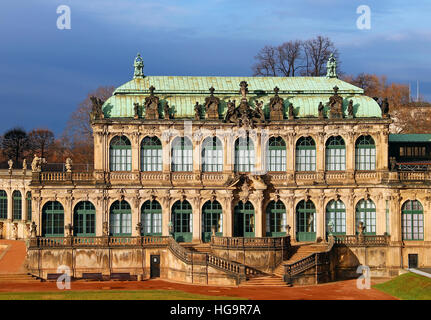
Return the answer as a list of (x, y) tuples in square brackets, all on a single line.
[(110, 295), (409, 286)]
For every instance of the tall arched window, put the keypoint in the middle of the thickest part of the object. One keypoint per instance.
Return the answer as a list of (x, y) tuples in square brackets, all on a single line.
[(212, 155), (120, 219), (244, 155), (366, 213), (305, 221), (276, 220), (3, 204), (336, 216), (212, 216), (412, 220), (335, 154), (182, 154), (28, 199), (305, 154), (151, 218), (84, 219), (182, 220), (151, 154), (120, 154), (17, 205), (365, 153), (53, 219), (276, 154)]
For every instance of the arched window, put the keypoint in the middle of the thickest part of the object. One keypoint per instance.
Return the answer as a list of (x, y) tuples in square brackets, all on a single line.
[(276, 220), (335, 154), (151, 154), (182, 154), (151, 218), (212, 155), (305, 221), (412, 220), (120, 219), (3, 204), (53, 219), (28, 199), (212, 216), (244, 220), (84, 219), (276, 154), (120, 154), (244, 155), (365, 153), (17, 205), (182, 220), (336, 216), (366, 213), (305, 154)]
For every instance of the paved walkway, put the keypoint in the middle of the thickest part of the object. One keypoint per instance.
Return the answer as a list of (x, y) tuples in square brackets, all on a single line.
[(12, 256), (12, 259)]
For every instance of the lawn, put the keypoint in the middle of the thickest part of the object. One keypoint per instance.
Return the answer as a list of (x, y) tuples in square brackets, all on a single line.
[(409, 286), (110, 295)]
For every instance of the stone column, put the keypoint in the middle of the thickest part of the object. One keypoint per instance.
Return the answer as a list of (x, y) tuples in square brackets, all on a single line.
[(290, 154), (258, 167), (320, 218), (135, 216), (24, 205), (197, 234), (135, 151), (228, 154), (258, 226), (382, 149), (350, 215), (320, 153), (166, 154), (291, 215), (395, 218), (166, 213), (9, 205), (350, 157), (227, 214), (68, 211)]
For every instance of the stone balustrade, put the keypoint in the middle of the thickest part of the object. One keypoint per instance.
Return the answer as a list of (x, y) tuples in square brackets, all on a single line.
[(361, 240)]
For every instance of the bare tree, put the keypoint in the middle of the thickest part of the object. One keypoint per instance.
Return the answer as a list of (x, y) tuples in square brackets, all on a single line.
[(316, 53), (15, 144), (40, 141), (289, 53), (267, 62)]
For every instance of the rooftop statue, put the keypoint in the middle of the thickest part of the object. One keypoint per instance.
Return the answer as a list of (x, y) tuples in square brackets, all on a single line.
[(350, 109), (336, 104), (321, 110), (197, 111), (211, 106), (166, 111), (139, 67), (331, 67), (152, 105), (136, 110), (276, 109), (96, 108), (384, 106)]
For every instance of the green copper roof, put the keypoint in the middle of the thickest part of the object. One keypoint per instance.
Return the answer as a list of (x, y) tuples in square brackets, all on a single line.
[(410, 137), (305, 93)]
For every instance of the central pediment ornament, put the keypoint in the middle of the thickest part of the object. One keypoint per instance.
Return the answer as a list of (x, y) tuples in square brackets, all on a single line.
[(244, 115)]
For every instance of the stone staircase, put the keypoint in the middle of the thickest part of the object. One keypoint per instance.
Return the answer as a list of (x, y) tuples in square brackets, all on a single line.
[(200, 247), (300, 251), (18, 278), (265, 281)]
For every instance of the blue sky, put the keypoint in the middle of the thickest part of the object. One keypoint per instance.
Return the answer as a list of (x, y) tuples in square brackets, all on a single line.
[(45, 72)]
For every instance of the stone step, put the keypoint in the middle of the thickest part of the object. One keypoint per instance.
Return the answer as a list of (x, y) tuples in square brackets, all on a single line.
[(269, 281)]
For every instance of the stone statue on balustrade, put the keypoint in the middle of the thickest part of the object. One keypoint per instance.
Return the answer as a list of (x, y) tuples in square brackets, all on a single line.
[(68, 165), (152, 106), (96, 108), (212, 106), (276, 106), (336, 105)]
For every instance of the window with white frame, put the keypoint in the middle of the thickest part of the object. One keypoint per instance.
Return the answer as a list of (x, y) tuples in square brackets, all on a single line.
[(335, 154)]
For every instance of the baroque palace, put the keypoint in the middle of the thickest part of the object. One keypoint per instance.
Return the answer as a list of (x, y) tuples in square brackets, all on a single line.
[(230, 180)]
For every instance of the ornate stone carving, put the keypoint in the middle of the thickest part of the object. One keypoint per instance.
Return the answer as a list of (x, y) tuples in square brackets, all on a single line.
[(244, 115), (291, 112), (36, 164), (336, 104), (24, 166), (68, 165), (139, 67), (211, 106), (33, 230), (96, 108), (105, 228), (276, 106), (136, 108), (152, 106)]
